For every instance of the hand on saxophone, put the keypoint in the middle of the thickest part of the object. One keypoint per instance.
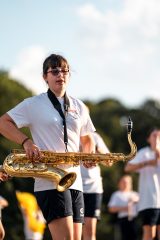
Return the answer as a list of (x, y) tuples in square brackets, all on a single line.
[(32, 151), (4, 176), (107, 163), (89, 164)]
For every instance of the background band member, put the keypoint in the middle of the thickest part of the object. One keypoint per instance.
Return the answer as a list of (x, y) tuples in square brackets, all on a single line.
[(147, 164), (93, 191), (124, 203), (3, 204), (34, 223)]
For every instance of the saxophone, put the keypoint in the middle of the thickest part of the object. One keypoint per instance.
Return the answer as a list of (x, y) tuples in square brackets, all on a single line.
[(17, 164)]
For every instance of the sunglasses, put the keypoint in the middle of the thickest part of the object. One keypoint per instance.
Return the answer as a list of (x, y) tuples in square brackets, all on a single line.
[(56, 71)]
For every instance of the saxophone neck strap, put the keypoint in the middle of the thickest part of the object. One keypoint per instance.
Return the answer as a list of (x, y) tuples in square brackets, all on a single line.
[(52, 97)]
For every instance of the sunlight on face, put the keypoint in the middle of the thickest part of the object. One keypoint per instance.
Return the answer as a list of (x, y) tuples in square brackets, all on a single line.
[(154, 139), (125, 183)]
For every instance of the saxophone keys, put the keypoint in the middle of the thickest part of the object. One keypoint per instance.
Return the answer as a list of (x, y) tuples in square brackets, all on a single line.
[(42, 166), (30, 166), (16, 167)]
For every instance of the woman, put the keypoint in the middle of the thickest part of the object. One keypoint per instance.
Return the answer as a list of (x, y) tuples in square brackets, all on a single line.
[(124, 203), (55, 130), (93, 192), (3, 204), (147, 164)]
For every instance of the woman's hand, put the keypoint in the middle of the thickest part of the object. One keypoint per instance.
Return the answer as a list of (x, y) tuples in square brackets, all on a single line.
[(89, 164), (4, 176), (32, 151), (107, 164)]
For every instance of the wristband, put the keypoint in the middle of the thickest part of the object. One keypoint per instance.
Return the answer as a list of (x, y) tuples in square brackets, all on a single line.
[(25, 140)]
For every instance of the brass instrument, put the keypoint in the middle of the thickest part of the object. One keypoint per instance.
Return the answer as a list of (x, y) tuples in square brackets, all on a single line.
[(17, 164)]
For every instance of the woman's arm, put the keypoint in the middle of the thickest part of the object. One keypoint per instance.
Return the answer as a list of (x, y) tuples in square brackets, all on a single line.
[(9, 130), (117, 209), (133, 167), (88, 146), (3, 203)]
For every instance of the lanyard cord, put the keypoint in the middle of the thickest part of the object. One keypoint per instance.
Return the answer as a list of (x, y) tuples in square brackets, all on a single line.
[(58, 107)]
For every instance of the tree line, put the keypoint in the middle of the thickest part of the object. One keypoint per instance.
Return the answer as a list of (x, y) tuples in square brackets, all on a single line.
[(109, 117)]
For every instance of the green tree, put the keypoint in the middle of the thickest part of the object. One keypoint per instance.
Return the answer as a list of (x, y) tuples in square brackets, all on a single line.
[(109, 117), (11, 93)]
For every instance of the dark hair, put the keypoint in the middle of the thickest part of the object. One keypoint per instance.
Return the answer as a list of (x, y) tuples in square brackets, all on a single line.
[(150, 130), (53, 61)]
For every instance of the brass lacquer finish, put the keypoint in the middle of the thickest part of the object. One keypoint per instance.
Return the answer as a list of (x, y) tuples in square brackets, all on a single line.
[(49, 166), (17, 164)]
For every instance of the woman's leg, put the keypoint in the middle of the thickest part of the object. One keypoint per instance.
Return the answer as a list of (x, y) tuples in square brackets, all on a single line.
[(149, 232), (150, 220), (62, 228), (77, 232), (123, 224), (2, 232), (158, 232), (89, 228), (93, 203)]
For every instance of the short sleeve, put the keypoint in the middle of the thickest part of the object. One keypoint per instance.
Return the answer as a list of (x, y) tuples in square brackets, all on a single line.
[(87, 125), (20, 114), (113, 200), (100, 143)]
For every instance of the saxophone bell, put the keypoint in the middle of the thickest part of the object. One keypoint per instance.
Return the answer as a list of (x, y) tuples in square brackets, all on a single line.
[(66, 181), (27, 168)]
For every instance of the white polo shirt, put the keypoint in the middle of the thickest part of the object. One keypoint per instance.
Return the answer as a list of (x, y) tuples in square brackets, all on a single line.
[(38, 114), (149, 180), (121, 199), (91, 177)]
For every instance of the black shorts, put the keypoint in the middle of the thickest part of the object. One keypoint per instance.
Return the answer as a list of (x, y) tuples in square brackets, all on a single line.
[(92, 203), (128, 228), (150, 216), (56, 204)]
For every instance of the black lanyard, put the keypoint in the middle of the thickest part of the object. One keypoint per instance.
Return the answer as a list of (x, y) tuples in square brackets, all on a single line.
[(57, 106)]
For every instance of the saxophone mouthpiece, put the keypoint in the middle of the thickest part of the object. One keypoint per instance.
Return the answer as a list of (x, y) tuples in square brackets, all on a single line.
[(129, 125)]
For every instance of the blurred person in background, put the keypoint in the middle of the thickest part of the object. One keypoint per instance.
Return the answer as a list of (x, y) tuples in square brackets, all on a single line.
[(3, 204), (34, 222), (124, 203), (93, 192), (147, 164)]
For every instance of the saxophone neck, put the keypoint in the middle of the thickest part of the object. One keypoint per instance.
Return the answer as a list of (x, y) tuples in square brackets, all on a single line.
[(133, 148)]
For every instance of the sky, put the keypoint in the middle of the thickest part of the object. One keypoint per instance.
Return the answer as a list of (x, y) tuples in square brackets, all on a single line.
[(113, 46)]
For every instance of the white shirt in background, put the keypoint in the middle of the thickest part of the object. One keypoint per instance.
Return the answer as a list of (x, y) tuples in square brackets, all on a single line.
[(91, 177), (122, 199), (149, 180)]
